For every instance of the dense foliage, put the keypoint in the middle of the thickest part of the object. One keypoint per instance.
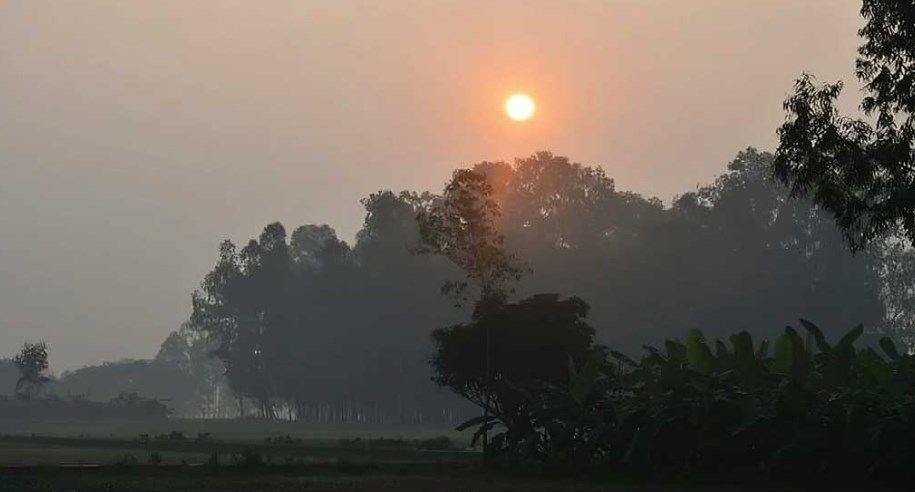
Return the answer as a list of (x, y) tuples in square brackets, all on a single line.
[(32, 362), (862, 171), (738, 252), (124, 407), (528, 341), (154, 379), (801, 409)]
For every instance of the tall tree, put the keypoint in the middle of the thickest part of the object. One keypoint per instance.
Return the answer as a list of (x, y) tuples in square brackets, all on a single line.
[(461, 226), (862, 172), (32, 362)]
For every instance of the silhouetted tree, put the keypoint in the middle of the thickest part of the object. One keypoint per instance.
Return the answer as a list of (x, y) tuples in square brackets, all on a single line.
[(461, 226), (190, 352), (312, 329), (32, 362), (242, 306), (532, 342), (863, 173)]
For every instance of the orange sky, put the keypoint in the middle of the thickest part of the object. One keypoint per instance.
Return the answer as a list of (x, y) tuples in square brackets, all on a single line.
[(137, 135)]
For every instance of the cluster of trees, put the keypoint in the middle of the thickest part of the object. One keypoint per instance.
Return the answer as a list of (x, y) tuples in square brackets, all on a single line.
[(311, 328), (123, 407), (31, 377), (306, 327), (805, 410)]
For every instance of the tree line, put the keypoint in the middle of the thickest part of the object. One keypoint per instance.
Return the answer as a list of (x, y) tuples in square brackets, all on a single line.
[(309, 327), (797, 411)]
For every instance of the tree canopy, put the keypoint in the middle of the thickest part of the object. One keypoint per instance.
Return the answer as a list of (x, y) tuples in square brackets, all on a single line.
[(737, 253), (862, 171), (32, 362)]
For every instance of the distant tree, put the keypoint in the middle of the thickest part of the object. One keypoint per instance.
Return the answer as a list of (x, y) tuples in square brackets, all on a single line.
[(738, 253), (315, 246), (175, 351), (32, 362), (864, 173), (157, 379), (245, 301), (897, 274), (189, 351)]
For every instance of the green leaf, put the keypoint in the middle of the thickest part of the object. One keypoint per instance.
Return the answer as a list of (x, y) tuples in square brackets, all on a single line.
[(479, 433), (624, 358), (676, 351), (743, 346), (763, 350), (698, 356), (876, 367), (475, 421), (721, 351), (784, 354), (814, 330), (790, 356), (849, 339), (889, 348)]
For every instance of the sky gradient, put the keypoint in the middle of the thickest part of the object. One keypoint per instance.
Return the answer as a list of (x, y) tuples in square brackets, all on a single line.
[(135, 136)]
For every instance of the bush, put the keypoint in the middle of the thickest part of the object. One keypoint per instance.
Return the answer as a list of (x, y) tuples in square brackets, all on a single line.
[(799, 412)]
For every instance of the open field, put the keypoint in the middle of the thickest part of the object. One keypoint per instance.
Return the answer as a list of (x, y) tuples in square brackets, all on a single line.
[(247, 462), (253, 430), (36, 463), (254, 456), (313, 477), (27, 451)]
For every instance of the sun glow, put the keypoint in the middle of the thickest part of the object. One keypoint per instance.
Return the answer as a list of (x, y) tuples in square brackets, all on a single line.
[(519, 107)]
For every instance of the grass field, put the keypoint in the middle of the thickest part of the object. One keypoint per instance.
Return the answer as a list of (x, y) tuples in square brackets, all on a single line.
[(297, 478), (247, 461), (227, 455), (224, 429), (258, 457)]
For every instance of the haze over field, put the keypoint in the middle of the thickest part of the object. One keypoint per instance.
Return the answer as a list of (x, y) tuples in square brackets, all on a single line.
[(136, 136)]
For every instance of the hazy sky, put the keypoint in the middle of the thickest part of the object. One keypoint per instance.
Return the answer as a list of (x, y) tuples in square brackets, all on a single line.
[(134, 136)]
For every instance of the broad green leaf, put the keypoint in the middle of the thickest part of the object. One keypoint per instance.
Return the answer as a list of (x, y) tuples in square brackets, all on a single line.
[(784, 354), (743, 347), (814, 330), (889, 348), (763, 350), (474, 421), (849, 339), (698, 356)]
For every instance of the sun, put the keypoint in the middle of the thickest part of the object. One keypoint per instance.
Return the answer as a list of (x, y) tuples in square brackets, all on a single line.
[(519, 107)]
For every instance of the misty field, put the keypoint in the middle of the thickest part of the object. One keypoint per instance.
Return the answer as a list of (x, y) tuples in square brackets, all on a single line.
[(248, 457)]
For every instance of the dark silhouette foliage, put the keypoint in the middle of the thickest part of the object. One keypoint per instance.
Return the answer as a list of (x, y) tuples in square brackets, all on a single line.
[(154, 380), (795, 411), (124, 407), (32, 362), (530, 341), (461, 226), (862, 172), (737, 253)]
